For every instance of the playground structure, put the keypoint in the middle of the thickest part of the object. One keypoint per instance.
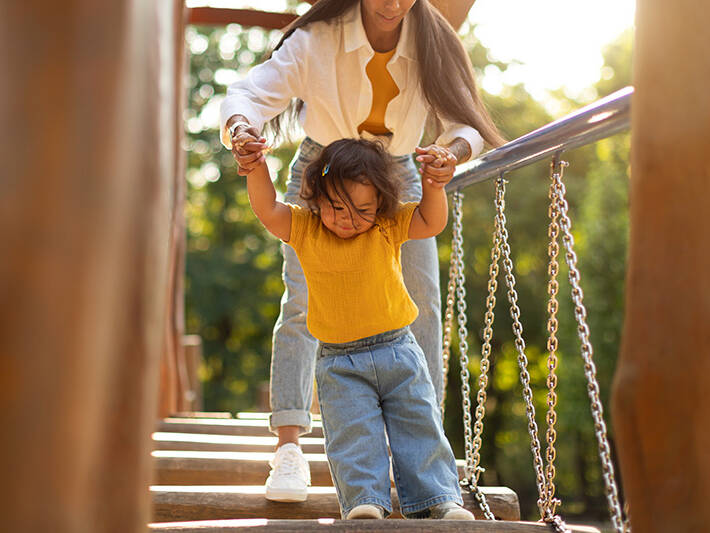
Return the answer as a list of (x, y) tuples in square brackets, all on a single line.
[(91, 262)]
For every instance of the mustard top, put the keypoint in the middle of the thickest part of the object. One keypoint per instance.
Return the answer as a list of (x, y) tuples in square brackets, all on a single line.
[(383, 90), (355, 286)]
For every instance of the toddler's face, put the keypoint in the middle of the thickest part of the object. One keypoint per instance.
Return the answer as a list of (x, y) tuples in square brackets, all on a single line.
[(347, 221)]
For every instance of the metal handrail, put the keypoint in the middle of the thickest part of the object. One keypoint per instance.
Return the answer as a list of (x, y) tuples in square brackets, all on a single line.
[(598, 120)]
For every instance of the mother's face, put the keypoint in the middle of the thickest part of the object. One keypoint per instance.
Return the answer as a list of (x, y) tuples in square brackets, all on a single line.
[(386, 15)]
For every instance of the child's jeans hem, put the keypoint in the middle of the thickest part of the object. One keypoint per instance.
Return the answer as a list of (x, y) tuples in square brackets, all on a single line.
[(410, 509), (370, 500), (290, 417)]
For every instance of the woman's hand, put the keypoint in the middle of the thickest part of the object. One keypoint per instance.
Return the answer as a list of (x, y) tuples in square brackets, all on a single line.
[(247, 148), (437, 165)]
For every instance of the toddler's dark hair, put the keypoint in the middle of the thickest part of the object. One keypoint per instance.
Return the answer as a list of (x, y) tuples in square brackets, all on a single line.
[(357, 160)]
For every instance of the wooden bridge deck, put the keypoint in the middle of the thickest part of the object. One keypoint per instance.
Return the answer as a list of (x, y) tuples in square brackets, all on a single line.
[(209, 475)]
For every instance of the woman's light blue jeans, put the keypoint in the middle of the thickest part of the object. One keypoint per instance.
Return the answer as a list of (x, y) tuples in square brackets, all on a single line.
[(375, 384), (294, 349)]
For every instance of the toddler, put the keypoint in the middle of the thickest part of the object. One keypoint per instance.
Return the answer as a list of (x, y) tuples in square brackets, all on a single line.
[(371, 374)]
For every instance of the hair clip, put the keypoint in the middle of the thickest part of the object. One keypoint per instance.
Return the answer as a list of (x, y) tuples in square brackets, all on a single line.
[(326, 168)]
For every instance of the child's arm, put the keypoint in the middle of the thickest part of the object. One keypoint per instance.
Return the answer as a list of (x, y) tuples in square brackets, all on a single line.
[(275, 216), (430, 217)]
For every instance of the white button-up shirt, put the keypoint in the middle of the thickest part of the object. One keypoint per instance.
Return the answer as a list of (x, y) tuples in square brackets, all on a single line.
[(323, 64)]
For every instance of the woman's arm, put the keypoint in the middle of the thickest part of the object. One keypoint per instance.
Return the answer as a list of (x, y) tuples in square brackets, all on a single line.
[(268, 87), (274, 215), (461, 149)]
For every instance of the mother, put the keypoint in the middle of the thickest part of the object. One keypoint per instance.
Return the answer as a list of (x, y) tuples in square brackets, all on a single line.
[(357, 68)]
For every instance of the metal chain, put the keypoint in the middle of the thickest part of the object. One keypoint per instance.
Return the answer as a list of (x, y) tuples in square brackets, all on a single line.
[(550, 503), (520, 344), (448, 325), (481, 397), (471, 469), (580, 314)]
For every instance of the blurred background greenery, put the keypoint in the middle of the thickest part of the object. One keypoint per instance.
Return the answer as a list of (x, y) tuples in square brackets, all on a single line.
[(233, 279)]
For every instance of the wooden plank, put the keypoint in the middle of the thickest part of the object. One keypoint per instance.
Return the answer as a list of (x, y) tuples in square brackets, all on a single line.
[(219, 502), (227, 443), (330, 525), (230, 468), (213, 16), (257, 428), (225, 468), (261, 415), (202, 414)]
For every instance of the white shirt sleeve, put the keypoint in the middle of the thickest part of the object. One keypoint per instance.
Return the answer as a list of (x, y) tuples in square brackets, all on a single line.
[(269, 87), (466, 132)]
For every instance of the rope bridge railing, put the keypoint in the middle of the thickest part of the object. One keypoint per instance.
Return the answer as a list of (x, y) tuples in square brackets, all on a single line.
[(596, 121)]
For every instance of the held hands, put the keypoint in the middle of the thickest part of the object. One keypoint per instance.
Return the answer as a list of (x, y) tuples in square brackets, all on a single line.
[(437, 165), (248, 148)]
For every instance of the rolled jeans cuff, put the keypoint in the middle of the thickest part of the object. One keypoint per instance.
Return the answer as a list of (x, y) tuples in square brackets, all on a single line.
[(292, 417)]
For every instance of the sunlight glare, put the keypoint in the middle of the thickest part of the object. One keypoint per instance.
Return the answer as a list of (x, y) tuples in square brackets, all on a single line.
[(558, 43)]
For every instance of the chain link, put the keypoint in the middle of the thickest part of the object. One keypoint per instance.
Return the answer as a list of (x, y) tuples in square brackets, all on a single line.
[(481, 396), (590, 371), (520, 343), (550, 503), (472, 470), (448, 325)]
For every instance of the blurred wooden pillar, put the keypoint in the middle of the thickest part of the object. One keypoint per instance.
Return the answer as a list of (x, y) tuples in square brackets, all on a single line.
[(88, 104), (176, 387), (661, 402)]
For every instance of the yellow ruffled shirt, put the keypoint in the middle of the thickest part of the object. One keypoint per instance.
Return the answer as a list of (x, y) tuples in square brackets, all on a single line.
[(355, 286)]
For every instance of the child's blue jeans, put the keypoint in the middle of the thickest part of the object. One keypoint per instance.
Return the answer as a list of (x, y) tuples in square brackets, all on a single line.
[(370, 386)]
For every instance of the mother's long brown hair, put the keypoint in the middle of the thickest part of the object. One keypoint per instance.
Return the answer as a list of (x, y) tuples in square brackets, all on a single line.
[(446, 74)]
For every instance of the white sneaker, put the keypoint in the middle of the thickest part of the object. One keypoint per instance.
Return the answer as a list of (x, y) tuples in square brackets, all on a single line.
[(290, 475)]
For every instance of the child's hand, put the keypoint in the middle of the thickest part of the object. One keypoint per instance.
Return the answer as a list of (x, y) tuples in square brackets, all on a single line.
[(248, 150), (437, 165)]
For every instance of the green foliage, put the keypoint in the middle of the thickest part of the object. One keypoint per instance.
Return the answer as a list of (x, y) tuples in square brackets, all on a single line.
[(233, 283)]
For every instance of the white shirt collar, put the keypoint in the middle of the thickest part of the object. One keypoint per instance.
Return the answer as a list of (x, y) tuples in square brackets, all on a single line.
[(355, 36)]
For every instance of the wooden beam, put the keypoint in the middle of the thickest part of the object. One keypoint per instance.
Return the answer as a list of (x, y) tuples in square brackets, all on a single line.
[(455, 11), (329, 526), (210, 503), (212, 16)]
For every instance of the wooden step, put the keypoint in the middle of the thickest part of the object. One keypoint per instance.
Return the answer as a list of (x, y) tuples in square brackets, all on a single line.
[(325, 525), (256, 415), (231, 468), (220, 502), (202, 414), (227, 443), (225, 468), (229, 426)]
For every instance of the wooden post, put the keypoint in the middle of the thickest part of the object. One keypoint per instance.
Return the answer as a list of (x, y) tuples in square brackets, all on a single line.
[(661, 404), (176, 388), (88, 105)]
